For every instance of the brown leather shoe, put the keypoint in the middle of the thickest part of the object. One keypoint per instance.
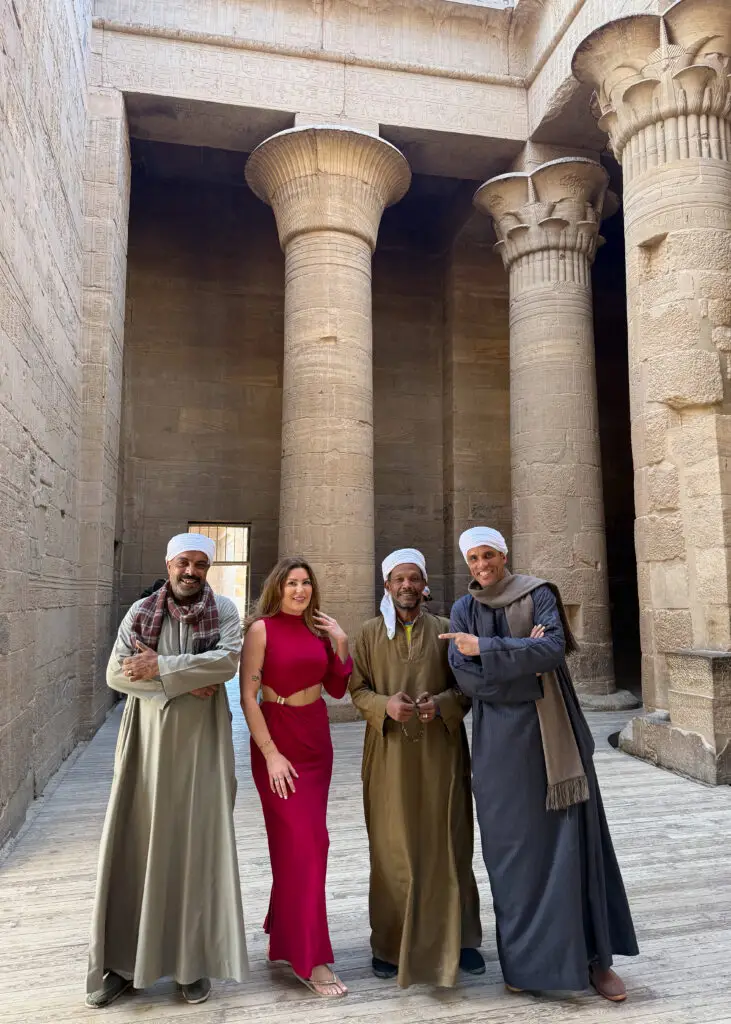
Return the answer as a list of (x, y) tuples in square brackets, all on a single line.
[(608, 984)]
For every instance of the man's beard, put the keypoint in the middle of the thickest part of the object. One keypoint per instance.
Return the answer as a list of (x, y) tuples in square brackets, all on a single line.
[(401, 601), (185, 592)]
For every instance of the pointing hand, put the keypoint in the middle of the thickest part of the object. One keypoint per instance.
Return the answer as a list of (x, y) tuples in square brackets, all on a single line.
[(465, 643)]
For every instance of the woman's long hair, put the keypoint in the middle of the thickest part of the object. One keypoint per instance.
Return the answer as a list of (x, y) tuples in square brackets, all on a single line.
[(270, 599)]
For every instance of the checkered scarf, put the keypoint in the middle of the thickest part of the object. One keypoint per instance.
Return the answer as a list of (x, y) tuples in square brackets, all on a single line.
[(202, 616)]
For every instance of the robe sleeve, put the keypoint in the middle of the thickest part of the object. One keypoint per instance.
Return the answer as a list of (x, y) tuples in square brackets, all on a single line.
[(508, 668), (371, 705), (507, 657), (117, 680), (181, 673), (467, 670), (453, 706), (338, 672)]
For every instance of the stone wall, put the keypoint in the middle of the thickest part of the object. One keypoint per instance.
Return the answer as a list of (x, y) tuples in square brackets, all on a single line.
[(203, 362), (476, 392), (106, 214), (408, 333), (441, 33), (43, 112)]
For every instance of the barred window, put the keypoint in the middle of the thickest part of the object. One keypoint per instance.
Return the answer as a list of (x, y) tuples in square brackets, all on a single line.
[(229, 574)]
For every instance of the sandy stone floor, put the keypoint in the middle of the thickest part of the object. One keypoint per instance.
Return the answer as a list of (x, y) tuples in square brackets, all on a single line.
[(673, 839)]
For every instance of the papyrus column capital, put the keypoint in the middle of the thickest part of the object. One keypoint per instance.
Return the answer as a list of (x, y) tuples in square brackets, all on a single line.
[(327, 178), (663, 91), (555, 209)]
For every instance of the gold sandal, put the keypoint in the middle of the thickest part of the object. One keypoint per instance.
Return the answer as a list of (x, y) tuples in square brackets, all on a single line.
[(315, 986)]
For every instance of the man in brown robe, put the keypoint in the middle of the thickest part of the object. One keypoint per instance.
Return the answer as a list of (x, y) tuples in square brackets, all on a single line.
[(424, 905)]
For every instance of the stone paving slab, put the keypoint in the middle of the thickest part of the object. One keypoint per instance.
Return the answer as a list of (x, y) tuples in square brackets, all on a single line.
[(673, 839)]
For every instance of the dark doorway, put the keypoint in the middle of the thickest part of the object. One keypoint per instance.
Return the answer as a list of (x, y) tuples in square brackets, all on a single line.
[(612, 368)]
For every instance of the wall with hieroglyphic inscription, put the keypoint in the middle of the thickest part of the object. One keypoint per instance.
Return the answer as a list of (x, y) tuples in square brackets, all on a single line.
[(42, 124)]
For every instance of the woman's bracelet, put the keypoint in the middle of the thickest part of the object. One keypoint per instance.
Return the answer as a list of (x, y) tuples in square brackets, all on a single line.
[(269, 743)]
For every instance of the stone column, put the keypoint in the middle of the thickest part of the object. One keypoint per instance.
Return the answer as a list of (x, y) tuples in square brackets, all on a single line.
[(107, 176), (547, 225), (328, 187), (664, 97)]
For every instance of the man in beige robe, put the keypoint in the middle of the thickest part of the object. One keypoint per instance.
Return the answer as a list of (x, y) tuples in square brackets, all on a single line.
[(168, 900), (424, 905)]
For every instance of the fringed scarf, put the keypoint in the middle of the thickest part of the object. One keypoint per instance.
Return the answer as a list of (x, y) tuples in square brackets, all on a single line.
[(202, 615), (567, 784)]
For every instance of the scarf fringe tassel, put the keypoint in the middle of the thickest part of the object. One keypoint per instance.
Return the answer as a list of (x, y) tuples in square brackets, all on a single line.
[(562, 795)]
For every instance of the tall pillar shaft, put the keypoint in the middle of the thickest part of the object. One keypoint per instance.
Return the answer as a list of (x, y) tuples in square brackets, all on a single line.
[(326, 503), (664, 97), (328, 187), (547, 224)]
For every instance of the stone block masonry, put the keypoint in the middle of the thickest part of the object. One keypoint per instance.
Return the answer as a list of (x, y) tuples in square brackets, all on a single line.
[(666, 106), (106, 216), (42, 136)]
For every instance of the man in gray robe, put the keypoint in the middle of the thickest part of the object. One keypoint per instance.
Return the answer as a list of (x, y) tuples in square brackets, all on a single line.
[(560, 905), (168, 899)]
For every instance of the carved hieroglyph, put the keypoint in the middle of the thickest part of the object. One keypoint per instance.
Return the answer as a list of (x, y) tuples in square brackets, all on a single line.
[(663, 93), (328, 187), (547, 224)]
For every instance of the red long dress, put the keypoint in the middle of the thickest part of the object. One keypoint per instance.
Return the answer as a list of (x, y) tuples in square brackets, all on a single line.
[(297, 827)]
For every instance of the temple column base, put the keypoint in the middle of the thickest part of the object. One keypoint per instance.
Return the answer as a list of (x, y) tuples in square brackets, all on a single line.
[(694, 738), (618, 700)]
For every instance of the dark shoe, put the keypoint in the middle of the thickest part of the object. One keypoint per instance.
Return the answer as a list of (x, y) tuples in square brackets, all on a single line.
[(112, 988), (197, 991), (608, 984), (383, 969), (471, 961)]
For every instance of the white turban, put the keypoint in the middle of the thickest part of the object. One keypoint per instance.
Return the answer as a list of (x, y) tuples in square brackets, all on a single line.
[(480, 536), (190, 542), (403, 556)]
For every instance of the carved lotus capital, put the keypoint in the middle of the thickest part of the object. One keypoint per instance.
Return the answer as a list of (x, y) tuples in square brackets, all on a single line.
[(320, 178), (556, 207), (669, 74)]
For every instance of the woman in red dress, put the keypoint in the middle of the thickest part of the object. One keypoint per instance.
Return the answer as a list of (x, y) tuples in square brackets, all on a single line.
[(288, 654)]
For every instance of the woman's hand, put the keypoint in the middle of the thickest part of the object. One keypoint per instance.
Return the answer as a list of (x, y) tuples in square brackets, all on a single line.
[(330, 626), (281, 774)]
